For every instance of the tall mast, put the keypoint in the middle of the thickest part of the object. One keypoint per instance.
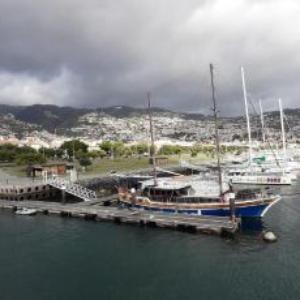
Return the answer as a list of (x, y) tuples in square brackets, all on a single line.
[(217, 141), (152, 149), (263, 133), (282, 128), (147, 132), (247, 114)]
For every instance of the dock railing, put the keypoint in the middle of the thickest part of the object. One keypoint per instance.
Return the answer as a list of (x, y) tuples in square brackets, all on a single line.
[(72, 188)]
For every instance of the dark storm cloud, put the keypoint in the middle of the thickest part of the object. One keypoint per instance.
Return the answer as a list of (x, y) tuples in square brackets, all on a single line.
[(103, 52)]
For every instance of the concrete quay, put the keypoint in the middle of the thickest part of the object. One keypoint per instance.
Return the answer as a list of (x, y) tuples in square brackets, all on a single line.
[(195, 224)]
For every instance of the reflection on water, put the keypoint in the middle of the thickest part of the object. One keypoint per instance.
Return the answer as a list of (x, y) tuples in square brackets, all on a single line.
[(252, 225)]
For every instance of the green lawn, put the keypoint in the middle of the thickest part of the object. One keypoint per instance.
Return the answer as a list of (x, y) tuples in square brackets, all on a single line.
[(201, 157), (105, 165), (14, 170)]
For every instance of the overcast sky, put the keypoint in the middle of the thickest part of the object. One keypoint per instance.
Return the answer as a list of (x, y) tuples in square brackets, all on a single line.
[(92, 53)]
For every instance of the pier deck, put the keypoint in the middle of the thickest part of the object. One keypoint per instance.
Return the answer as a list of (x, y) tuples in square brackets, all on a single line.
[(202, 224)]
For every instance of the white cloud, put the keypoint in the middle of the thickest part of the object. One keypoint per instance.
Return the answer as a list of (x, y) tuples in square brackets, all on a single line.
[(24, 89)]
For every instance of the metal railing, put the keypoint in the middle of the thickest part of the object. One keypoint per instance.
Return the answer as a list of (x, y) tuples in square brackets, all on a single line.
[(72, 188)]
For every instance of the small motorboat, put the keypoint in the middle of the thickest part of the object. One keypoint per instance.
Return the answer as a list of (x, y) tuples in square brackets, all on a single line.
[(26, 211)]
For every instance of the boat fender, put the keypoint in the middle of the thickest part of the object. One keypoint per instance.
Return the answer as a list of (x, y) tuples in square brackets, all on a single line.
[(228, 196), (269, 236)]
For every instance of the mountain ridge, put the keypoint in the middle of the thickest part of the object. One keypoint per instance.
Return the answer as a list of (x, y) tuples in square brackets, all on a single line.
[(51, 117)]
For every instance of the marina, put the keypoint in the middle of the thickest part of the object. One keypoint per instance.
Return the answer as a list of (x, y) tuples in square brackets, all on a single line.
[(149, 150), (189, 203)]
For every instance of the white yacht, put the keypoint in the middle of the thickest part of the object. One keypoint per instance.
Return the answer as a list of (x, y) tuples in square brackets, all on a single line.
[(26, 211), (255, 172)]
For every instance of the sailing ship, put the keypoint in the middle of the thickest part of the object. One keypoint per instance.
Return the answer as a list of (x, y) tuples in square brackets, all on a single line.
[(169, 196), (186, 195), (274, 159), (252, 173)]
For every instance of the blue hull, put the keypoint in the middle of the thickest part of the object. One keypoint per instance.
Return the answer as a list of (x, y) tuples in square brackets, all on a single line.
[(254, 211), (248, 211)]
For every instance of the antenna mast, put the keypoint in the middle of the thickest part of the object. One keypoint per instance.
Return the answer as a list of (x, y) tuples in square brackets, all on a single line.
[(152, 149), (217, 141)]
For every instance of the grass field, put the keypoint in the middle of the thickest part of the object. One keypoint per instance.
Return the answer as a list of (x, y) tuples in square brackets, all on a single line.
[(106, 165), (102, 166), (201, 157), (14, 170)]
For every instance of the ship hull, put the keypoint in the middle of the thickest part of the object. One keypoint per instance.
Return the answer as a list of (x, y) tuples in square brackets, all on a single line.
[(260, 180), (252, 209)]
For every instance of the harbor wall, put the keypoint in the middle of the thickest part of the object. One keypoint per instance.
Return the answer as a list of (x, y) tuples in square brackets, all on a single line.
[(27, 192)]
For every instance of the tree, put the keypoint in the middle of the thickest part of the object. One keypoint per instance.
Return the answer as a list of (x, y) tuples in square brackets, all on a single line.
[(114, 148), (194, 152), (118, 148), (48, 152), (107, 147), (6, 156), (127, 152), (25, 150), (236, 137), (94, 154), (101, 153), (75, 145), (85, 161), (141, 148), (166, 150), (172, 149), (30, 158), (9, 152), (152, 150)]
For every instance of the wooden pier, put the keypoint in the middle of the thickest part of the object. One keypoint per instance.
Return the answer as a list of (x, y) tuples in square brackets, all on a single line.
[(202, 224)]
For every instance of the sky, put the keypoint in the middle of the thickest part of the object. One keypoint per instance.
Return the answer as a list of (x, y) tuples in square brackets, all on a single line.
[(96, 53)]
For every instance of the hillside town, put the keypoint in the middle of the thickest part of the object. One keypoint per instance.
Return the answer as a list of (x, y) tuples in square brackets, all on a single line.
[(170, 129)]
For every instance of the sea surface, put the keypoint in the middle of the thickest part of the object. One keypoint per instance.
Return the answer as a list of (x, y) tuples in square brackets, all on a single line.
[(47, 257)]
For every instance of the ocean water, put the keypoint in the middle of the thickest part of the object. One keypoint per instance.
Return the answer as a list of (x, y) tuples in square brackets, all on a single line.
[(47, 257)]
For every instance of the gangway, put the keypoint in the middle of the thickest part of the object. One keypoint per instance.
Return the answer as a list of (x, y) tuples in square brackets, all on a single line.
[(72, 188)]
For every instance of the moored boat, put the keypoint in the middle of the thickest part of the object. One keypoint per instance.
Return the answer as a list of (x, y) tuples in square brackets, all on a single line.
[(184, 198), (26, 211), (196, 196), (258, 178)]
